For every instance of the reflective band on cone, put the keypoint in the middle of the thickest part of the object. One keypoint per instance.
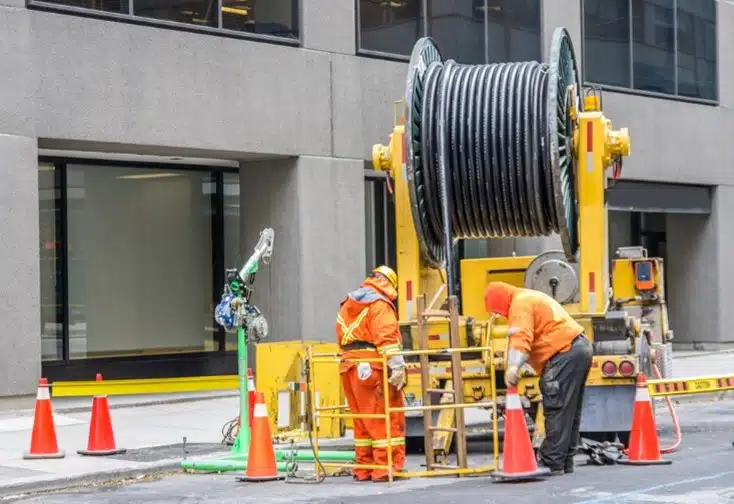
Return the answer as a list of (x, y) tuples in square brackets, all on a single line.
[(518, 459), (43, 439), (644, 446)]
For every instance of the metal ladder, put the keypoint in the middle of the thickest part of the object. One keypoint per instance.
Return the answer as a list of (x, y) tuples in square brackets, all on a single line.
[(449, 425)]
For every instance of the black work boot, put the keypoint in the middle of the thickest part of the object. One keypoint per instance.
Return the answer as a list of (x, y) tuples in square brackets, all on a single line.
[(554, 471), (568, 465)]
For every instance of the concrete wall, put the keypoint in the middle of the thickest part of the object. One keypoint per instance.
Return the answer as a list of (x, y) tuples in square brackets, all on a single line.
[(72, 82), (316, 208)]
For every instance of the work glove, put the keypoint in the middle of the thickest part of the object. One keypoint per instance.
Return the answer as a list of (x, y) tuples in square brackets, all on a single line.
[(512, 374), (516, 360), (398, 376)]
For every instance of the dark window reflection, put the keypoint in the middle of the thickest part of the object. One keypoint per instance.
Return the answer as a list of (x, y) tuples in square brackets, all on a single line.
[(697, 49), (653, 52), (513, 30), (50, 249), (390, 27), (116, 6), (458, 28), (197, 12), (656, 65), (607, 42), (277, 18)]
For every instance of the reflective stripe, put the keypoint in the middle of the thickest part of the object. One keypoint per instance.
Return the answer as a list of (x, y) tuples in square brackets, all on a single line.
[(394, 347), (382, 443), (643, 394), (362, 442), (347, 330)]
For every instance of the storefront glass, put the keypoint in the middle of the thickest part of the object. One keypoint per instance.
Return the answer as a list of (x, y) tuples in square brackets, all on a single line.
[(139, 261)]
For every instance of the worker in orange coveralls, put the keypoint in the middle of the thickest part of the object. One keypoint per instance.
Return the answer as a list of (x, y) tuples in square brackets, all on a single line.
[(545, 338), (367, 327)]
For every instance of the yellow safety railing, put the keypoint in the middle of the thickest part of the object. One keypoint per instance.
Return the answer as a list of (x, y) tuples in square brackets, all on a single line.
[(317, 412)]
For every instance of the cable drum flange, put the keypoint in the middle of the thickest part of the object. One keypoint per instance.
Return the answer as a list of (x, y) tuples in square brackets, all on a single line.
[(489, 147)]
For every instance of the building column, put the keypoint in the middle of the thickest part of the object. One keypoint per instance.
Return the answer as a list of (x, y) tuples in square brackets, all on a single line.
[(20, 337), (700, 274), (315, 205)]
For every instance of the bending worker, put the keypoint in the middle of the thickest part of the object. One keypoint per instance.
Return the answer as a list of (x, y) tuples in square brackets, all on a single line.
[(543, 336), (367, 327)]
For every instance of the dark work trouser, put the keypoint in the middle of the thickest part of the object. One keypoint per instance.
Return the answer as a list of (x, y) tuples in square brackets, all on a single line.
[(562, 386)]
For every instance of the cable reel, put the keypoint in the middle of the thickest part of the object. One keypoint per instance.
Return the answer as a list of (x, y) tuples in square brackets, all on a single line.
[(552, 274), (489, 149)]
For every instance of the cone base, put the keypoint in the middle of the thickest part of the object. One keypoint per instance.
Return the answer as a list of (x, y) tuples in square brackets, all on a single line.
[(260, 479), (101, 453), (644, 462), (501, 477), (33, 456)]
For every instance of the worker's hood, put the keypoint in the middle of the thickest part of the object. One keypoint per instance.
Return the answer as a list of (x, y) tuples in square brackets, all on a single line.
[(382, 286), (498, 297)]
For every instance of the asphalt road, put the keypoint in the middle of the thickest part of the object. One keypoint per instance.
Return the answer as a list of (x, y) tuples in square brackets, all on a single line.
[(702, 472)]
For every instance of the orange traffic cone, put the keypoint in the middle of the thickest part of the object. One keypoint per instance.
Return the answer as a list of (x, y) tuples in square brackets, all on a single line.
[(251, 392), (261, 457), (43, 438), (518, 459), (644, 447), (101, 437)]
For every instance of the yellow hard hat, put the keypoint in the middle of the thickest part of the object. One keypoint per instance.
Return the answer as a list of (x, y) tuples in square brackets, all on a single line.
[(388, 273)]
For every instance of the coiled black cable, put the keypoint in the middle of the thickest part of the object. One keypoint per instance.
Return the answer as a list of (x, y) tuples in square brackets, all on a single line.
[(489, 149)]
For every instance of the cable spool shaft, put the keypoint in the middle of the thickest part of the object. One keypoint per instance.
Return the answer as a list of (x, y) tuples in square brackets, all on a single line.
[(489, 149)]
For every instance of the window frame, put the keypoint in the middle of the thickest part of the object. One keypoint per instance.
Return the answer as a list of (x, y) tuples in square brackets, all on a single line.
[(426, 33), (219, 361), (130, 18), (652, 94)]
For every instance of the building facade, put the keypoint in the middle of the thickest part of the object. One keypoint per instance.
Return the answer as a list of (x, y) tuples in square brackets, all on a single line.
[(145, 143)]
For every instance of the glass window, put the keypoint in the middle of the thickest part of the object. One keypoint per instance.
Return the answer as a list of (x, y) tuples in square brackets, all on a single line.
[(458, 28), (671, 43), (276, 18), (653, 49), (139, 261), (513, 28), (468, 31), (379, 225), (116, 6), (697, 49), (197, 12), (235, 254), (390, 27), (51, 248), (607, 42)]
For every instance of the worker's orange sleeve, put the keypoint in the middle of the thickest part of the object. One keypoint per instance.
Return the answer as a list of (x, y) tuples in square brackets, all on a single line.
[(521, 320), (384, 328)]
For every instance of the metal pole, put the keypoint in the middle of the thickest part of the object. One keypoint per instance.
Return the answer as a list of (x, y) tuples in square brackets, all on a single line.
[(458, 382), (425, 377), (242, 443)]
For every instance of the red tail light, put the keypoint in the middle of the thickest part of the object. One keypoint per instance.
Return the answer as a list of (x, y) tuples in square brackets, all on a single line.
[(626, 368), (609, 368)]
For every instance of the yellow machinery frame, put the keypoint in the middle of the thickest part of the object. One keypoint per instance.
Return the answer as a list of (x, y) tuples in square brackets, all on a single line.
[(597, 146)]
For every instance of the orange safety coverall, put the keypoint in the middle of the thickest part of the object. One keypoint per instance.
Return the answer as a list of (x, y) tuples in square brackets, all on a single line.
[(539, 325), (367, 326)]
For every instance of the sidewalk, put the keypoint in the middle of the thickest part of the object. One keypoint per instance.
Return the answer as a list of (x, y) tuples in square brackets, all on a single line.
[(152, 428)]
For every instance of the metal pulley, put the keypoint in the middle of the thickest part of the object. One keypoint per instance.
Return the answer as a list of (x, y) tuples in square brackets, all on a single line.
[(551, 273)]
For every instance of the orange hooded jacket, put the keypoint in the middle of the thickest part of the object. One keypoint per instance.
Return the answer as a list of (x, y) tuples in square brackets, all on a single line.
[(368, 315), (539, 325)]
